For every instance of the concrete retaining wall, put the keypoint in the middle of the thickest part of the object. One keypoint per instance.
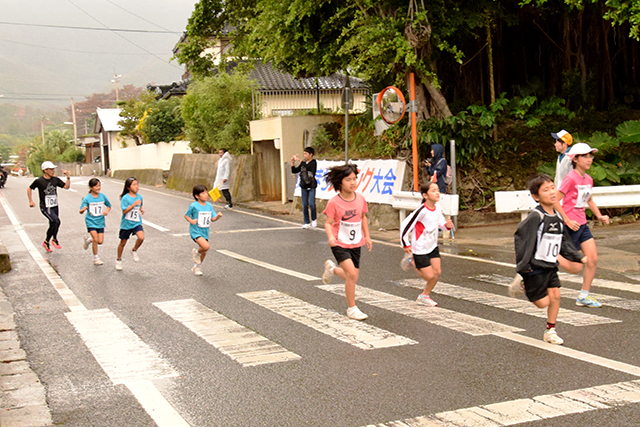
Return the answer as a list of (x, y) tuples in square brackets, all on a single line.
[(144, 176), (379, 216), (188, 170)]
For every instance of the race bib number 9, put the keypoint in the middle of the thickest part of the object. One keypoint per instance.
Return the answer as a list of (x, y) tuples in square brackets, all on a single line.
[(584, 194), (204, 219), (549, 248), (133, 215), (96, 209), (350, 232), (51, 201)]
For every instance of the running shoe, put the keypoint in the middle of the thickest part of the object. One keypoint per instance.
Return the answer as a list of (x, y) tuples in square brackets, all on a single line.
[(55, 244), (46, 246), (551, 336), (306, 225), (119, 265), (314, 223), (426, 300), (355, 313), (516, 287), (196, 270), (135, 256), (588, 302), (326, 276), (196, 256), (406, 262), (86, 240), (97, 261)]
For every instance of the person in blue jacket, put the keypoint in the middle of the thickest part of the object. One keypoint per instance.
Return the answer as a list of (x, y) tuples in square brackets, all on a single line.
[(437, 167)]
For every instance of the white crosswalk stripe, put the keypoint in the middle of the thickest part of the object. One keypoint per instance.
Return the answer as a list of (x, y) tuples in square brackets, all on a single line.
[(570, 317), (120, 352), (232, 339), (439, 316), (609, 300), (359, 334), (528, 410)]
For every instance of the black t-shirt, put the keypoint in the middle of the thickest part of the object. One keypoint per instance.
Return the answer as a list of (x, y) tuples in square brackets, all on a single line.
[(307, 173), (47, 190)]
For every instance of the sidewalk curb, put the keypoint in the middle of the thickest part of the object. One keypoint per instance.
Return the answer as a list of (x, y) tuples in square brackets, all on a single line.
[(5, 259), (22, 396)]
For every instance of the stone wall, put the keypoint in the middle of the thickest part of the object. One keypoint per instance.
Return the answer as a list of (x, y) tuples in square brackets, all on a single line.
[(380, 216), (188, 170)]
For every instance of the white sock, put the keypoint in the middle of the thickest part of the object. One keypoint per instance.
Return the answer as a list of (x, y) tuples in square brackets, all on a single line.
[(331, 269), (95, 256), (583, 294)]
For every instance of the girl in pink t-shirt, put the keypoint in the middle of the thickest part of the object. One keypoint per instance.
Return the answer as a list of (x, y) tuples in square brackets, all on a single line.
[(347, 230), (576, 191)]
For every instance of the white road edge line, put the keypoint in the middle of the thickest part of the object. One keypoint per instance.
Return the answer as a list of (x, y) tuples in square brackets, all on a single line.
[(63, 290), (145, 392), (266, 265)]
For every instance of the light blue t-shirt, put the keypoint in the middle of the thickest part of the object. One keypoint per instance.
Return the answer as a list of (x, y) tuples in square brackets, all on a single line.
[(133, 218), (203, 213), (94, 218)]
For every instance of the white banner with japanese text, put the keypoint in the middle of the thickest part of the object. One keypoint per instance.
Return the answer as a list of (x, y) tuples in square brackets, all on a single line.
[(377, 179)]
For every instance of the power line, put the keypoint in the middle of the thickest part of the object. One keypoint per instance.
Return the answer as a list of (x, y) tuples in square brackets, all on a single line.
[(70, 50), (137, 16), (123, 37), (70, 27)]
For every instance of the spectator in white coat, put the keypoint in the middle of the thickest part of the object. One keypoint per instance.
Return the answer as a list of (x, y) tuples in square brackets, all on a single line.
[(223, 175)]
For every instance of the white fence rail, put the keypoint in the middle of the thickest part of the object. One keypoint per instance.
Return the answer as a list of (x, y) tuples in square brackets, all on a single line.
[(620, 196), (410, 200)]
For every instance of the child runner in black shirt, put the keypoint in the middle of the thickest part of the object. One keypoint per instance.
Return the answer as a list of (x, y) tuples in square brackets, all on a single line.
[(539, 239), (47, 189)]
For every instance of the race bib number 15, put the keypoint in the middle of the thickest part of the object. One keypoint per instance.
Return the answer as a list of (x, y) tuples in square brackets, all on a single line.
[(133, 215)]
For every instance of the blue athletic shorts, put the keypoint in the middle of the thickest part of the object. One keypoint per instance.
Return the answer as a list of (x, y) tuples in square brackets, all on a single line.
[(97, 230), (582, 235), (125, 234)]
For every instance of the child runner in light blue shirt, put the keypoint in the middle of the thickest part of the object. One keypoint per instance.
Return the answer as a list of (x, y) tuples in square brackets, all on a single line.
[(131, 222), (200, 215), (97, 206)]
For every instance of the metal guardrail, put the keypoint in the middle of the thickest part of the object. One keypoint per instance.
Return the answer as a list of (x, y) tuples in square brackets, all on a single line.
[(410, 200), (620, 196)]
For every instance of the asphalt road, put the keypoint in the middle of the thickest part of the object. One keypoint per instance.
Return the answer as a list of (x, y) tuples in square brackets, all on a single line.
[(258, 341)]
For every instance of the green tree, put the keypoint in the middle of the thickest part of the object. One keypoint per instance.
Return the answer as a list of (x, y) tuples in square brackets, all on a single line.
[(134, 109), (163, 122), (58, 147), (216, 112)]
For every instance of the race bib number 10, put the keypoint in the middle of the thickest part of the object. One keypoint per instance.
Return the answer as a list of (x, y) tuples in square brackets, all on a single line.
[(549, 248), (51, 201)]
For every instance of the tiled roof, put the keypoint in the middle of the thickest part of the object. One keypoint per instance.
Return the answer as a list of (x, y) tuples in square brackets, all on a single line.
[(270, 79)]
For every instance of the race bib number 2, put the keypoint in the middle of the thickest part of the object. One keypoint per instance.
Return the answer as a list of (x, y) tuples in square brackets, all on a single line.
[(350, 232), (133, 215)]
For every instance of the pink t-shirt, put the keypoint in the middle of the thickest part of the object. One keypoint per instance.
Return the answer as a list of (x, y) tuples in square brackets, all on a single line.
[(577, 192), (347, 220)]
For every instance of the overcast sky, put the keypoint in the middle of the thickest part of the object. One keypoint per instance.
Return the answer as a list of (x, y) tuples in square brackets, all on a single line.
[(57, 63)]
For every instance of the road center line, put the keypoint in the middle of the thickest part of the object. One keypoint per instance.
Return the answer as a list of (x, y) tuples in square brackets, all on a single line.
[(574, 354), (239, 257), (157, 227)]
